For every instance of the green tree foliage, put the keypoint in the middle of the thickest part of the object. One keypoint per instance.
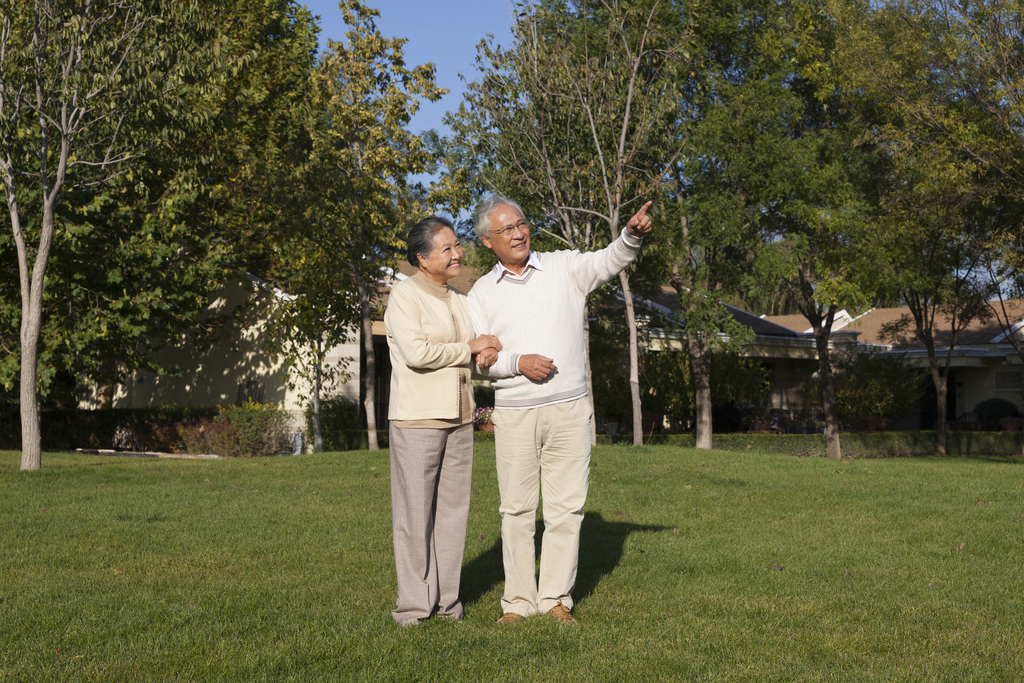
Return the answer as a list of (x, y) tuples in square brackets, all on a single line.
[(353, 199), (951, 74), (946, 81), (88, 88), (567, 120), (779, 155), (867, 389)]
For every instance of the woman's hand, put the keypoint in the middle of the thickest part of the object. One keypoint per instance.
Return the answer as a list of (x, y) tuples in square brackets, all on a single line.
[(484, 341)]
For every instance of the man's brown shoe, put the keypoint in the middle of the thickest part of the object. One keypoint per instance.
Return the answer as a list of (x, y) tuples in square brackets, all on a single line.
[(560, 613), (510, 618)]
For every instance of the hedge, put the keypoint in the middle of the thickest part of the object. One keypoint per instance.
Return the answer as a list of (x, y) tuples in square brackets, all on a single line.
[(146, 429), (142, 429), (852, 444)]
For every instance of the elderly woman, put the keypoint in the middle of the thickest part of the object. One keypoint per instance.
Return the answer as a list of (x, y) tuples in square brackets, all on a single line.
[(432, 346)]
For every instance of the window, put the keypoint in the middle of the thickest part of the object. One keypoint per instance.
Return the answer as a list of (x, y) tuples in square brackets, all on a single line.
[(1008, 380), (249, 391)]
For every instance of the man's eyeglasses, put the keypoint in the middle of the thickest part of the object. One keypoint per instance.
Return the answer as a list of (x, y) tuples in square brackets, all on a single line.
[(506, 231)]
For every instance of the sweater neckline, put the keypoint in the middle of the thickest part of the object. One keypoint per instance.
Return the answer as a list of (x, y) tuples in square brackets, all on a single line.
[(429, 286)]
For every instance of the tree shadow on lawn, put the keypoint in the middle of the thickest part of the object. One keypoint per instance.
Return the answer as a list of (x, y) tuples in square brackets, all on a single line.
[(601, 546)]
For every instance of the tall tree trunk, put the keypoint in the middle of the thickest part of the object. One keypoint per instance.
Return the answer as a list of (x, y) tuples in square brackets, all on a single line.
[(31, 324), (822, 327), (634, 361), (941, 403), (590, 379), (370, 377), (696, 341), (31, 440), (924, 312), (828, 385), (318, 436), (700, 366)]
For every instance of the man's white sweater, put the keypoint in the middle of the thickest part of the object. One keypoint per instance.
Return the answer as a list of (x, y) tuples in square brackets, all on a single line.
[(542, 312)]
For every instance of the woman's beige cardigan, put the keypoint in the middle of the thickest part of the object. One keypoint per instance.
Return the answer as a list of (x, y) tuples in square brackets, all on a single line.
[(428, 367)]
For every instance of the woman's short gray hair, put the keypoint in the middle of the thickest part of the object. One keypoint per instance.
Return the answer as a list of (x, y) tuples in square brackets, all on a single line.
[(481, 220), (421, 237)]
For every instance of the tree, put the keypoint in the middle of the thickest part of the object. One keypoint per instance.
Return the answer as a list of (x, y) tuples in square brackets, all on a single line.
[(945, 79), (779, 152), (87, 87), (354, 193), (566, 120), (713, 238), (938, 268), (314, 316)]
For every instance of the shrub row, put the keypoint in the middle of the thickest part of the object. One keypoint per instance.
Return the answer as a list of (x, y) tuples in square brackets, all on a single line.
[(137, 429), (853, 445), (232, 431)]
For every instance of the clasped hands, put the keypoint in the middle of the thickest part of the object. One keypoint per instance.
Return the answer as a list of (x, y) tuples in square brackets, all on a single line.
[(485, 348), (536, 367)]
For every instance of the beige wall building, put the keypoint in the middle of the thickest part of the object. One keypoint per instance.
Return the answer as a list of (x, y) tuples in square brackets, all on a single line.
[(236, 367)]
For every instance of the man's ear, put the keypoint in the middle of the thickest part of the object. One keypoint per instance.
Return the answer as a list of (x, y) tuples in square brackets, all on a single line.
[(487, 242)]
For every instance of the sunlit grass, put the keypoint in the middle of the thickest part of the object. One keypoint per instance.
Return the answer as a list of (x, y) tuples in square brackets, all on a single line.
[(695, 566)]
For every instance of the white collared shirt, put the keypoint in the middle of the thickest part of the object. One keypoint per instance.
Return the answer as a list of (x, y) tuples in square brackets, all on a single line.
[(532, 262)]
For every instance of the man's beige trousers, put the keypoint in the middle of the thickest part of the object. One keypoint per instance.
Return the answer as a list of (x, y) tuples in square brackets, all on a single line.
[(542, 452)]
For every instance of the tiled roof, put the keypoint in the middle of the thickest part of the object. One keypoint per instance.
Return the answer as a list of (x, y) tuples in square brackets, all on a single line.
[(669, 299), (797, 323), (872, 327)]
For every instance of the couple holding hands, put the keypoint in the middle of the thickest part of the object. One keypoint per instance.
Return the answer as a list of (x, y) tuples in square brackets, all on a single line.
[(519, 320)]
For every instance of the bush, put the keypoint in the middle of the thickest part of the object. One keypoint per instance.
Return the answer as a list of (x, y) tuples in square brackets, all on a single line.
[(994, 409), (483, 396), (137, 429), (341, 424), (666, 383), (870, 387), (879, 445), (246, 431)]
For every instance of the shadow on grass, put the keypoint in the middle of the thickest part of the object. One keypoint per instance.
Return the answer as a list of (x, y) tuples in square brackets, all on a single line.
[(601, 547), (601, 550)]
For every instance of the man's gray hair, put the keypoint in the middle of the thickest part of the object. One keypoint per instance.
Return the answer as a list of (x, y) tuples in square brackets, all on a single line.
[(481, 220)]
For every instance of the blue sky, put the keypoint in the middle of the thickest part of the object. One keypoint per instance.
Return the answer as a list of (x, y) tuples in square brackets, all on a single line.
[(445, 32)]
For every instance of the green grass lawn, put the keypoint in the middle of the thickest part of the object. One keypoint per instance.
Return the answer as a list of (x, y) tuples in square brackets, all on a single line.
[(695, 566)]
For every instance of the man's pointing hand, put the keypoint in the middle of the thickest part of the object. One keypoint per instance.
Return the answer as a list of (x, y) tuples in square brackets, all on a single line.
[(640, 224)]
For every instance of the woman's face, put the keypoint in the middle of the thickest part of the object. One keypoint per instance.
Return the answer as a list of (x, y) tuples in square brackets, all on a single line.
[(445, 261)]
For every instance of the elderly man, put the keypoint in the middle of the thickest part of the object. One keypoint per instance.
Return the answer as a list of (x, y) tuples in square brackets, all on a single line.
[(536, 303)]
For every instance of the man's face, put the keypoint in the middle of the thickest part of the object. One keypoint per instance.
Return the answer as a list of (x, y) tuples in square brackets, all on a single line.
[(509, 237)]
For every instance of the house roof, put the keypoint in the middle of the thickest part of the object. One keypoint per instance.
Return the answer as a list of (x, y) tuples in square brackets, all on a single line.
[(871, 326), (797, 323), (667, 302)]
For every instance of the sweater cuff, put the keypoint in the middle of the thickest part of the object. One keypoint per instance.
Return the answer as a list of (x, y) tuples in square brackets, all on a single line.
[(515, 364), (631, 240)]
